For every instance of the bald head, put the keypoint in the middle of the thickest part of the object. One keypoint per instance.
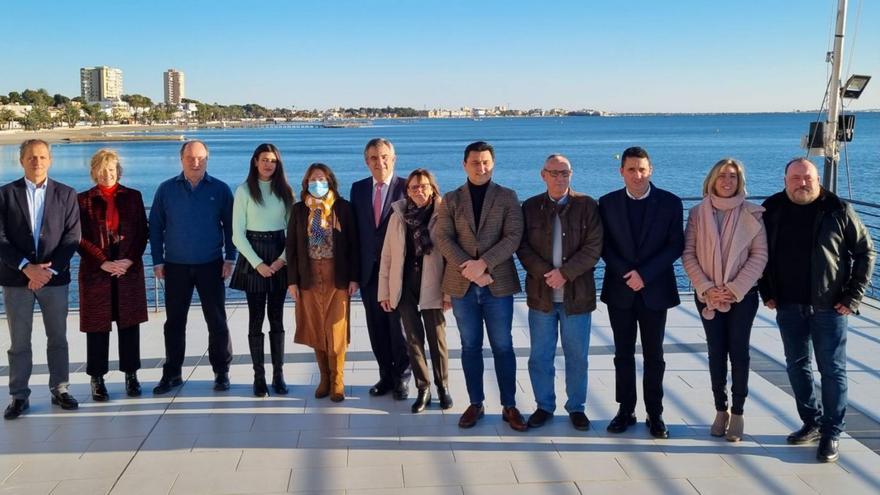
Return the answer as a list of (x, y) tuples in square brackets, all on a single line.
[(557, 175), (801, 181)]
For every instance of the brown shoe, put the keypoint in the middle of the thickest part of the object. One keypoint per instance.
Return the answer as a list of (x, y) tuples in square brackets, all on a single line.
[(511, 416), (323, 389), (471, 415), (719, 426), (336, 363), (735, 429)]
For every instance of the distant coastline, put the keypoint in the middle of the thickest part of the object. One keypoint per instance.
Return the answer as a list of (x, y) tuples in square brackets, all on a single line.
[(173, 132)]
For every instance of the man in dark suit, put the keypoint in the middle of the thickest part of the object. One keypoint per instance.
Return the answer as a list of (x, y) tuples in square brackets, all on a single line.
[(39, 232), (643, 238), (371, 199)]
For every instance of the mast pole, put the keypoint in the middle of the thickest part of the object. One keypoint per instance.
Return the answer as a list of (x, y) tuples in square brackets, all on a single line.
[(831, 122)]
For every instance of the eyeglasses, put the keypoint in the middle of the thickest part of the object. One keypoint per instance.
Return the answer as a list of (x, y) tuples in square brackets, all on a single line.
[(559, 173), (420, 187)]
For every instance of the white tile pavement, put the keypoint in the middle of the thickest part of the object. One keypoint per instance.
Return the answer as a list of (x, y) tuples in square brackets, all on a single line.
[(198, 441)]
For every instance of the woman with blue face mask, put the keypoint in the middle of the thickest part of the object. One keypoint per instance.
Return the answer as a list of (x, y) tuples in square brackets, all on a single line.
[(322, 274)]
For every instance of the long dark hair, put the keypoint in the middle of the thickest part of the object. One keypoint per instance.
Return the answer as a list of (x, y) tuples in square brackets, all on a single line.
[(332, 183), (279, 185)]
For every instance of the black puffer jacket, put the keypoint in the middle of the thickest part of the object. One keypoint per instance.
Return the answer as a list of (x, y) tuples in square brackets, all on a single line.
[(842, 256)]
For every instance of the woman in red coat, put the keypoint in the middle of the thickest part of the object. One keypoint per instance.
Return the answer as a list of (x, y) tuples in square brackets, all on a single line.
[(111, 272)]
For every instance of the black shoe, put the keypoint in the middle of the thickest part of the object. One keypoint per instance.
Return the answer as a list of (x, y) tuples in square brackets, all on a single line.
[(622, 421), (278, 384), (657, 427), (221, 381), (538, 418), (379, 389), (828, 449), (99, 389), (16, 408), (132, 385), (579, 420), (423, 400), (807, 434), (260, 387), (401, 391), (444, 397), (166, 384), (65, 400)]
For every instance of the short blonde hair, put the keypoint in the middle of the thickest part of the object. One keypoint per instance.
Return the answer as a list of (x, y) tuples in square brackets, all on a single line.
[(103, 157), (709, 183)]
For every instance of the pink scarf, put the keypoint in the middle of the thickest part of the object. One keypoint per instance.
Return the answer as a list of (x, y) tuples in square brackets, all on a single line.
[(714, 253)]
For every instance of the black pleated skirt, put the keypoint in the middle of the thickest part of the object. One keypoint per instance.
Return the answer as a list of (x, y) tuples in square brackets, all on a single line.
[(269, 246)]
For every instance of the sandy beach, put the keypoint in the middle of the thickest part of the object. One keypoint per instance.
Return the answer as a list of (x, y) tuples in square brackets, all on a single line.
[(96, 134)]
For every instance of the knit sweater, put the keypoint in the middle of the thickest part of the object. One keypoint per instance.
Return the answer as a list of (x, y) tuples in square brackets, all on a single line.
[(247, 214)]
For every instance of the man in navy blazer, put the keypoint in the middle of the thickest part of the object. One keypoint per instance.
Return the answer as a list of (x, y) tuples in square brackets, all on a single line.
[(643, 238), (39, 232), (371, 199)]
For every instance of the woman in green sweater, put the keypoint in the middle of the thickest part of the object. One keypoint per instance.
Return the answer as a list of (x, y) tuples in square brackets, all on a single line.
[(259, 221)]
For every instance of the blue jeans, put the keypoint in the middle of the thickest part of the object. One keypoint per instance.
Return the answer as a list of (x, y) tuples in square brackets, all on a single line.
[(477, 306), (803, 329), (575, 332)]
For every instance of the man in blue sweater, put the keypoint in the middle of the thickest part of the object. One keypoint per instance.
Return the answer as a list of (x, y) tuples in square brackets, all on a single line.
[(190, 228)]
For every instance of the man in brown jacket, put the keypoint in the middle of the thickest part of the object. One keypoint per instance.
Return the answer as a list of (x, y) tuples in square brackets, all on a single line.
[(479, 226), (561, 244)]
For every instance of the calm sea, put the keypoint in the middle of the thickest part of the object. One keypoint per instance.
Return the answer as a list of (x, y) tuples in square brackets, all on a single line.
[(682, 148)]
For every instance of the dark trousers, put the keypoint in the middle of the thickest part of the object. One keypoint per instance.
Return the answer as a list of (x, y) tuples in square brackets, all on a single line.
[(727, 334), (386, 335), (650, 324), (98, 351), (257, 305), (432, 332), (207, 279)]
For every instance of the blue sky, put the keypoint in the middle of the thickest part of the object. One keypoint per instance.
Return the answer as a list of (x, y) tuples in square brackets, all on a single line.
[(625, 56)]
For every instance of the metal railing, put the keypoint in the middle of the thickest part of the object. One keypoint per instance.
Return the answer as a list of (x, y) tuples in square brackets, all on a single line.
[(869, 213)]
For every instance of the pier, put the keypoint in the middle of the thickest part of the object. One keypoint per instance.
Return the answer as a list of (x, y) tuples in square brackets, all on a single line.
[(200, 441)]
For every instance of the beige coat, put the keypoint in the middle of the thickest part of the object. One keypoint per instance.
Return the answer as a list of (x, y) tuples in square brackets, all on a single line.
[(498, 237), (391, 265), (748, 252)]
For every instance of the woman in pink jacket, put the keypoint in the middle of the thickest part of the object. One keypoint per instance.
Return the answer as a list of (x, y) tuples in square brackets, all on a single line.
[(724, 255)]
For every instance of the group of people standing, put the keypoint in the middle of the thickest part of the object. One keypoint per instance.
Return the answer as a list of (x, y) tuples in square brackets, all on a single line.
[(414, 253)]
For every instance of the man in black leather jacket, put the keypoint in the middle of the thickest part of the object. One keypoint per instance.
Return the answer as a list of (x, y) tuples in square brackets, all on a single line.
[(821, 258)]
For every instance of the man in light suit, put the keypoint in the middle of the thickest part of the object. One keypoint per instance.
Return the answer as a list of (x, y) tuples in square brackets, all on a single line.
[(371, 199), (643, 237), (39, 232), (479, 227)]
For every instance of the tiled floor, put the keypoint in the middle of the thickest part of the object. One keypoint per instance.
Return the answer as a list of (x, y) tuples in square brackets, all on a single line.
[(199, 441)]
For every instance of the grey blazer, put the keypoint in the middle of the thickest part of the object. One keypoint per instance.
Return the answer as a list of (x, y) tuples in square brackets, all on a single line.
[(495, 241)]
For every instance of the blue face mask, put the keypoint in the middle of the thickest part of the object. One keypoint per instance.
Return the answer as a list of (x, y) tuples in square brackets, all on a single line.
[(319, 188)]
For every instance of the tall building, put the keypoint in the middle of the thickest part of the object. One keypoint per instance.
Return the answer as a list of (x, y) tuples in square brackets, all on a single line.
[(100, 83), (175, 90)]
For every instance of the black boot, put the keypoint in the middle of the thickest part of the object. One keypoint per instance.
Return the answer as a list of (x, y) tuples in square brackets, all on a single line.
[(255, 342), (99, 390), (276, 346), (132, 385)]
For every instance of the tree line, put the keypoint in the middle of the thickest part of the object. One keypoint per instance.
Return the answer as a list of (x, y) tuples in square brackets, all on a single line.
[(70, 111)]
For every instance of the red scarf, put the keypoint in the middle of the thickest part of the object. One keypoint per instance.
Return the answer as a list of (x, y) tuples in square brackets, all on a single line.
[(112, 217)]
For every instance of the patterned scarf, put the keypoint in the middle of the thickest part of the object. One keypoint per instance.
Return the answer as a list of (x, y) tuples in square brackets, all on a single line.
[(417, 220), (320, 214)]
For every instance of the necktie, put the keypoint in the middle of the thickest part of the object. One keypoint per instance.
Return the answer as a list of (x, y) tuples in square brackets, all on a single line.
[(377, 203)]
